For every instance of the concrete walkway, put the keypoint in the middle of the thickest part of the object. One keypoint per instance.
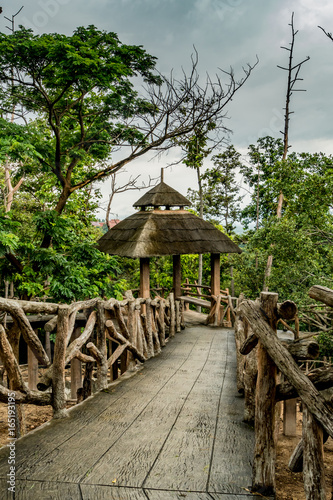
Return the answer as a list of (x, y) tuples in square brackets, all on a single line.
[(173, 431)]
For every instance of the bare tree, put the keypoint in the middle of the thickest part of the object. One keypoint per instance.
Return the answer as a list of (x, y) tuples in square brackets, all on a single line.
[(293, 77), (168, 108), (130, 185), (329, 35)]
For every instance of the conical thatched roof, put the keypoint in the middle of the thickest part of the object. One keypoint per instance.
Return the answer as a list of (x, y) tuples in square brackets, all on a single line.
[(162, 195), (164, 232)]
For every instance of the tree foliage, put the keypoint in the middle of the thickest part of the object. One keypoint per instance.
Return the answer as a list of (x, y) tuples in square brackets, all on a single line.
[(221, 192)]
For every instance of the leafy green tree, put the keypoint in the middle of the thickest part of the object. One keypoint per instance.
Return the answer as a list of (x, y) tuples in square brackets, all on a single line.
[(83, 89), (221, 198)]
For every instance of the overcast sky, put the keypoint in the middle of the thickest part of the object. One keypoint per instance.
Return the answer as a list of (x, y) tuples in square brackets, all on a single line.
[(225, 33)]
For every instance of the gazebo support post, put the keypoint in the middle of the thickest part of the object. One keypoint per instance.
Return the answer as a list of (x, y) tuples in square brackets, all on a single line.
[(215, 283), (144, 278), (177, 276)]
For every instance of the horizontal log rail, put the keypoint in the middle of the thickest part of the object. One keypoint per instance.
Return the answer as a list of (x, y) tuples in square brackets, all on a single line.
[(221, 308), (98, 337), (259, 354)]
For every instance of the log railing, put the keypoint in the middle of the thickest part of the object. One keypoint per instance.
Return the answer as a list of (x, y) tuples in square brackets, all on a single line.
[(221, 311), (256, 338), (114, 336)]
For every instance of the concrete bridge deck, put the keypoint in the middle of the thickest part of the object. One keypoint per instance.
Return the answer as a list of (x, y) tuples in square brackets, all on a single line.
[(173, 431)]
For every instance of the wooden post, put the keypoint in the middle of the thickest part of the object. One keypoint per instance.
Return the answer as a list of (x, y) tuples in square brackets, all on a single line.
[(150, 342), (76, 368), (178, 316), (32, 370), (131, 326), (144, 278), (289, 417), (172, 328), (215, 274), (58, 371), (187, 305), (102, 369), (263, 478), (161, 313), (48, 345), (177, 276), (313, 458)]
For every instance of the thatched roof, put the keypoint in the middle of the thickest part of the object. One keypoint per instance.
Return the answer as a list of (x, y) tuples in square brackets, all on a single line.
[(162, 195), (164, 232)]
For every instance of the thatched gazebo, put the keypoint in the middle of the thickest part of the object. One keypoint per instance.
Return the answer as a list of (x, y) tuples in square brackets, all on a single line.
[(163, 227)]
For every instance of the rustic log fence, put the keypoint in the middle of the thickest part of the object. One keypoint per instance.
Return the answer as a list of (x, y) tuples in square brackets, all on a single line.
[(221, 310), (104, 337), (261, 356)]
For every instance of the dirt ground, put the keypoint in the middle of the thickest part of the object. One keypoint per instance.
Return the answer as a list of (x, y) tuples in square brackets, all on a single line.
[(289, 485)]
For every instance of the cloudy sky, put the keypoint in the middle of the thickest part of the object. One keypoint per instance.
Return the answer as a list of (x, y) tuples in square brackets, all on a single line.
[(226, 33)]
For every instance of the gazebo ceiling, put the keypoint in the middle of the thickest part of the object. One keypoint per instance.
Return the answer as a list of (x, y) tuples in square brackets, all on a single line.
[(164, 232)]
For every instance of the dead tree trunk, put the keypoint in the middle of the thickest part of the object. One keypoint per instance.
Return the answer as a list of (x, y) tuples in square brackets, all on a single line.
[(293, 72)]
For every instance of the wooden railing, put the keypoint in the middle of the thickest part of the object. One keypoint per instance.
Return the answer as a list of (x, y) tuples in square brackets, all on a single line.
[(221, 310), (114, 337), (256, 338)]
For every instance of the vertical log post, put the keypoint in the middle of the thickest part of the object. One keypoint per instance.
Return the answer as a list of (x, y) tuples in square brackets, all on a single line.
[(150, 342), (186, 292), (172, 329), (178, 316), (289, 417), (58, 372), (138, 327), (215, 278), (114, 367), (144, 278), (263, 479), (47, 345), (161, 313), (177, 276), (313, 458), (131, 326), (76, 368), (32, 368), (102, 369)]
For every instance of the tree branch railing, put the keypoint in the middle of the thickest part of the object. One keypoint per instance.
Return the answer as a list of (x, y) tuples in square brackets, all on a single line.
[(113, 338), (221, 311), (256, 338)]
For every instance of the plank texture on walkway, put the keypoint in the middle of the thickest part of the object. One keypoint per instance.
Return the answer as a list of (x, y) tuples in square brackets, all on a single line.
[(172, 431)]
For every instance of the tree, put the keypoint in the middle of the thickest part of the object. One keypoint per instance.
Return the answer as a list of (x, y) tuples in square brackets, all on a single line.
[(300, 241), (83, 87), (293, 77), (196, 151), (221, 190), (218, 195), (130, 185)]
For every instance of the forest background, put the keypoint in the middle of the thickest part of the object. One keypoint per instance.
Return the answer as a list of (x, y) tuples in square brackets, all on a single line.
[(70, 105)]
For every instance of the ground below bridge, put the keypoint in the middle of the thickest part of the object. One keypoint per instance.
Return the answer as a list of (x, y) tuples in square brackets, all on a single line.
[(172, 431)]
